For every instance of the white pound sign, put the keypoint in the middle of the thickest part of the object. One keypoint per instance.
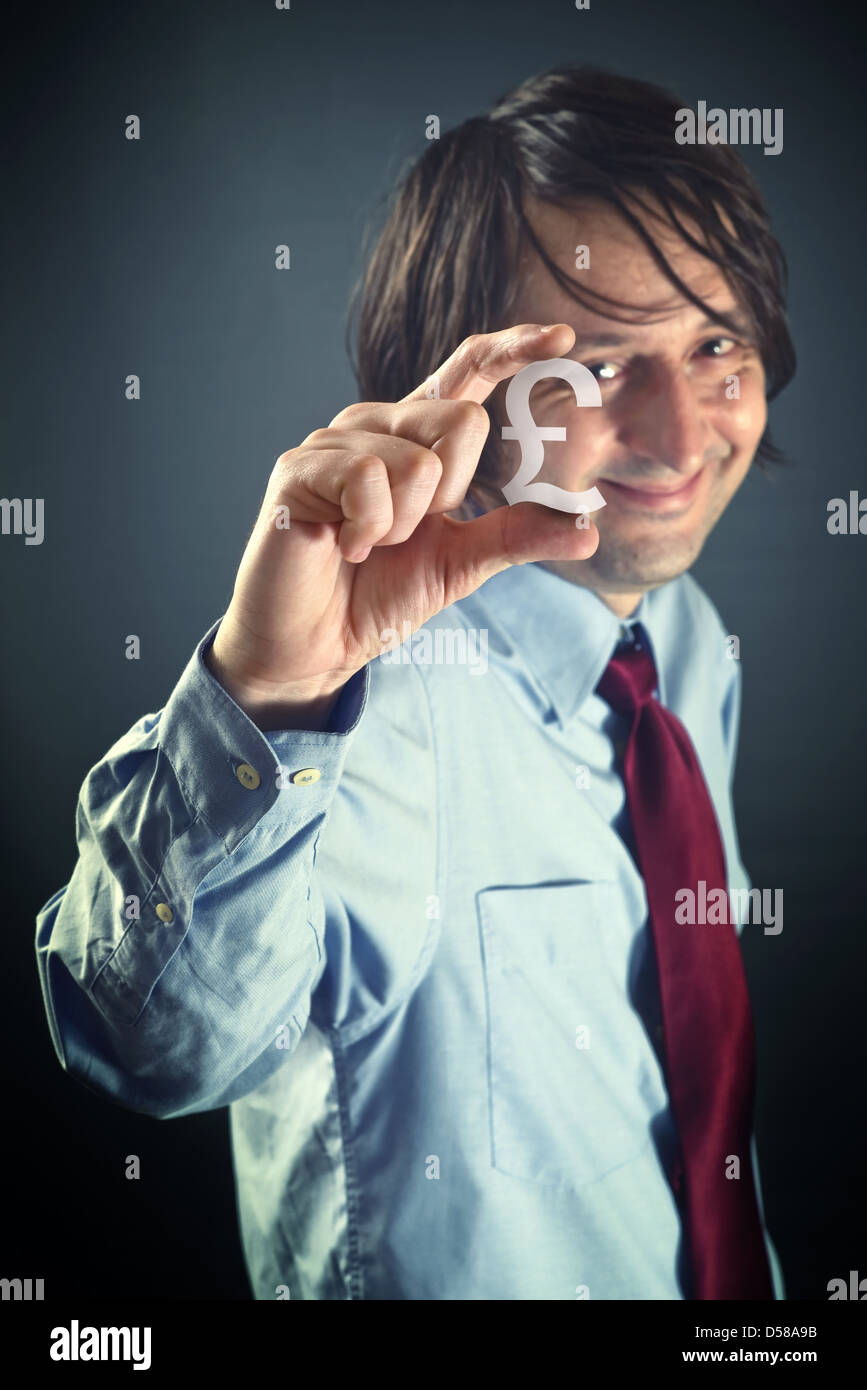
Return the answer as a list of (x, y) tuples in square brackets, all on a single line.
[(530, 436)]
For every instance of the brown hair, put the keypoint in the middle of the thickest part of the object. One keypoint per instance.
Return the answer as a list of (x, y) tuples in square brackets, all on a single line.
[(445, 264)]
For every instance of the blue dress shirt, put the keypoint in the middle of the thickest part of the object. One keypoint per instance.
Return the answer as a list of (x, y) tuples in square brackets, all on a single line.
[(424, 980)]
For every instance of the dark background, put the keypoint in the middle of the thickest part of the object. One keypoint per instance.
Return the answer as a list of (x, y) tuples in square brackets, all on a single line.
[(156, 257)]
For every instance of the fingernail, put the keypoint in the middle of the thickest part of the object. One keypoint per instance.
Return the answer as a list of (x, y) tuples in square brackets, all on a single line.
[(548, 327)]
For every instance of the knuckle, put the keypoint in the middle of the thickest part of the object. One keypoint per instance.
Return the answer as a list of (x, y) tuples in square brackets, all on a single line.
[(423, 466), (350, 415), (368, 469), (470, 415), (514, 349), (284, 468), (473, 346), (320, 439)]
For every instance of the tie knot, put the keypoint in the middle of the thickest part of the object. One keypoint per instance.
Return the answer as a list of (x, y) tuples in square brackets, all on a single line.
[(629, 680)]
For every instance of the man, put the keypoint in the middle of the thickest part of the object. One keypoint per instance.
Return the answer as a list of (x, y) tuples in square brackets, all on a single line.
[(414, 919)]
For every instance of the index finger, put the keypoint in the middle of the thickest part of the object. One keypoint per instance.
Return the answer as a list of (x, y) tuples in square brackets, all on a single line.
[(485, 359)]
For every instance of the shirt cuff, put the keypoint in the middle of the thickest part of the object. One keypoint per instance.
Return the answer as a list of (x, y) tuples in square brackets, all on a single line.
[(232, 772)]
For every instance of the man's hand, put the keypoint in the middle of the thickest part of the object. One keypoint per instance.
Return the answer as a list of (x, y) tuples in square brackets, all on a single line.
[(369, 545)]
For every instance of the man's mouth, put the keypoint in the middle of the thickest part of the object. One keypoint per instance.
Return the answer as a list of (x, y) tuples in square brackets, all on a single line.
[(657, 499)]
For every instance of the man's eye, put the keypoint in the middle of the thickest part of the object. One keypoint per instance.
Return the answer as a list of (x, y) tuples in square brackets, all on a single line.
[(602, 370), (713, 342)]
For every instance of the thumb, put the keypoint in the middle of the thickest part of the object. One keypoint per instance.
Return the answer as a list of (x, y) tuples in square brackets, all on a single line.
[(471, 552)]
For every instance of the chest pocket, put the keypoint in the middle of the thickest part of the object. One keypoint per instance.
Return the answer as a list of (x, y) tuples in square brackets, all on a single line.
[(566, 1106)]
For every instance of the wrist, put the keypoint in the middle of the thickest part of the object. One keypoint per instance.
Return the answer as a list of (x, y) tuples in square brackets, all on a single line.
[(294, 705)]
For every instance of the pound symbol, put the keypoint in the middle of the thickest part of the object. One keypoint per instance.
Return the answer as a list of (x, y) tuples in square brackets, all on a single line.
[(531, 436)]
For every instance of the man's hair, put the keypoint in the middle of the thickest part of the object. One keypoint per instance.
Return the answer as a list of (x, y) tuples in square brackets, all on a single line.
[(446, 262)]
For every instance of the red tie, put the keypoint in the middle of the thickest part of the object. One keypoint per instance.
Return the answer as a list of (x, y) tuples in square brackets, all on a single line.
[(709, 1047)]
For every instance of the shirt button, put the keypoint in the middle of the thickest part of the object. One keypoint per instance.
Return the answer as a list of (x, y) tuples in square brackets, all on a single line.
[(247, 776), (164, 912), (306, 776)]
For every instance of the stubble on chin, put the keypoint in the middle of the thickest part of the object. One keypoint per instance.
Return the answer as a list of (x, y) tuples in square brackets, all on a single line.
[(660, 552), (631, 566)]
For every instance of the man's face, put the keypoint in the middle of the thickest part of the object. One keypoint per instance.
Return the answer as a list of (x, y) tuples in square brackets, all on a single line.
[(671, 442)]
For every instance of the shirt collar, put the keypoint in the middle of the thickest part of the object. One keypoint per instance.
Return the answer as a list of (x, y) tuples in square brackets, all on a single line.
[(562, 634)]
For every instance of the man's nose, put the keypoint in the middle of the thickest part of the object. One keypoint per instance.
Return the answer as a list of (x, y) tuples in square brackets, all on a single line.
[(666, 422)]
